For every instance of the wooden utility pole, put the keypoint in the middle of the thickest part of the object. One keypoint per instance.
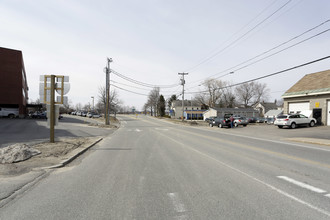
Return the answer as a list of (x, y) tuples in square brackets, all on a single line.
[(182, 83), (107, 107)]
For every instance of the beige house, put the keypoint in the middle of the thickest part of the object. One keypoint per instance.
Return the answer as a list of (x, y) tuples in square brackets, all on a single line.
[(264, 107), (191, 106), (310, 96)]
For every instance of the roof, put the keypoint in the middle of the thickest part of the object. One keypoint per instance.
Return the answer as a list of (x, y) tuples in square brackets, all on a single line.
[(273, 112), (310, 84), (235, 109), (268, 105), (186, 103)]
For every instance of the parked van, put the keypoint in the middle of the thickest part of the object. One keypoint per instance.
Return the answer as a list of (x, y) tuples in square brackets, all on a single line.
[(9, 112)]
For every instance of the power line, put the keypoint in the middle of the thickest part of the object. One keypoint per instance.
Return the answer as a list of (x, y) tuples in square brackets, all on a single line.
[(281, 50), (246, 61), (128, 85), (129, 90), (141, 83), (269, 75), (239, 38)]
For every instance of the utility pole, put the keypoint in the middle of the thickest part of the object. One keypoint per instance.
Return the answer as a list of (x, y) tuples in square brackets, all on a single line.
[(182, 83), (191, 109), (107, 83)]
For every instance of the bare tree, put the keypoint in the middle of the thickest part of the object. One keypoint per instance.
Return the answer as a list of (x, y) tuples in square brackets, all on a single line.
[(213, 95), (113, 99), (79, 106), (153, 100), (228, 97), (252, 93), (261, 92)]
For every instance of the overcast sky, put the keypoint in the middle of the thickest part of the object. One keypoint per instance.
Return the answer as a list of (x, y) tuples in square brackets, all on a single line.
[(151, 41)]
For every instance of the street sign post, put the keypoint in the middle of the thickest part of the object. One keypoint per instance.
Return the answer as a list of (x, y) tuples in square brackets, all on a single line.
[(47, 88)]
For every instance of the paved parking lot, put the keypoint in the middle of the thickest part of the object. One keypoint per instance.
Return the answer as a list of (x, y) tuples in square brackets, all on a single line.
[(273, 132), (36, 130)]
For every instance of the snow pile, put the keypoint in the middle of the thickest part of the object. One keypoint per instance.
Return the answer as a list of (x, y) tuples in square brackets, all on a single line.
[(17, 152)]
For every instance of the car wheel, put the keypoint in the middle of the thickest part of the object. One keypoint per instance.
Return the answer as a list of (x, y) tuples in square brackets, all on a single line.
[(312, 124), (211, 125), (293, 125), (11, 116), (244, 125), (236, 125), (220, 125), (280, 126)]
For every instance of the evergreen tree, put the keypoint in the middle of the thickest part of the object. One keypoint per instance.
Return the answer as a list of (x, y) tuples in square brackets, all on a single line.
[(161, 106)]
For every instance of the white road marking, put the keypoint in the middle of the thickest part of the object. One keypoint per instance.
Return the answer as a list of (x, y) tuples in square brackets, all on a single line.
[(262, 139), (303, 185), (138, 130), (253, 178), (178, 205), (162, 129), (181, 217), (327, 195)]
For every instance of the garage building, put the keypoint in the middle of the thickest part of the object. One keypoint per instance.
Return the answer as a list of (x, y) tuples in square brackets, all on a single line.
[(310, 96)]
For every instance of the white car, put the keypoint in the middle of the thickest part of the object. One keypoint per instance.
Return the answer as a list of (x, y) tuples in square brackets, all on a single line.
[(293, 121), (9, 112)]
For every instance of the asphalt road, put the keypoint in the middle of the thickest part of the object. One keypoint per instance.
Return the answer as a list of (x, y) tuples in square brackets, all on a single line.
[(151, 169), (35, 130)]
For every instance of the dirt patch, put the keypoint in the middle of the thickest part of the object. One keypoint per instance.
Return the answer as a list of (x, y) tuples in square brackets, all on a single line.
[(51, 154)]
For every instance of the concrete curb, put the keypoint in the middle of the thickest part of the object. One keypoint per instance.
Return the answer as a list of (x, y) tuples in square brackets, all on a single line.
[(67, 161), (324, 142)]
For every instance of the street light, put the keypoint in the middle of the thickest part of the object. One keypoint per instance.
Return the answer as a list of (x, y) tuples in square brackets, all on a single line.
[(93, 102)]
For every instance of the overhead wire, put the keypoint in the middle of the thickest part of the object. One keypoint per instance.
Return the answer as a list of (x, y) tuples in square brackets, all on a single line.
[(128, 90), (268, 75), (259, 55), (142, 83), (239, 38)]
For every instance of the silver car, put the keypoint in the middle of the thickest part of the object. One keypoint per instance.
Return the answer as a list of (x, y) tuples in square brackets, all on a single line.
[(240, 121), (292, 121)]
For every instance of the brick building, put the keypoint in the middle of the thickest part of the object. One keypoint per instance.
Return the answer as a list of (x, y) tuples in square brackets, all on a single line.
[(13, 83)]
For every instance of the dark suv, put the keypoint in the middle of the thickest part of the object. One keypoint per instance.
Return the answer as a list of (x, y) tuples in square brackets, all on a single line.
[(226, 121), (215, 122)]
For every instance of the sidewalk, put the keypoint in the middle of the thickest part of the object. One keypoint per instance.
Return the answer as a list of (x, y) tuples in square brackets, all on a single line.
[(18, 177)]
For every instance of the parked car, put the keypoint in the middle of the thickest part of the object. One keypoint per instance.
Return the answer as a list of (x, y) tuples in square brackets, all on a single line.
[(260, 120), (240, 121), (270, 120), (83, 114), (39, 115), (95, 115), (209, 119), (215, 122), (9, 112), (226, 121), (73, 113), (252, 120), (293, 121)]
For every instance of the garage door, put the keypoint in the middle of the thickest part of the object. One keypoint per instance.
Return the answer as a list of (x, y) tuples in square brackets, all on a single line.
[(298, 107)]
